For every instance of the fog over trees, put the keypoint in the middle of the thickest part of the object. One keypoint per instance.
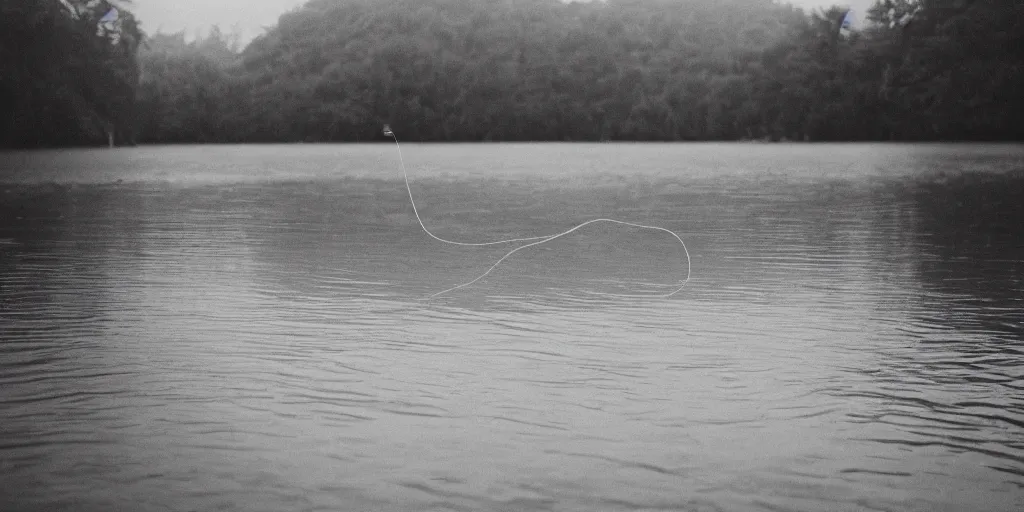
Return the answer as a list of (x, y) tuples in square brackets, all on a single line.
[(516, 70)]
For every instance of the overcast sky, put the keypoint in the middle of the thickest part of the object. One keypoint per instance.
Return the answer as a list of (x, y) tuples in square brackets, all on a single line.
[(248, 17)]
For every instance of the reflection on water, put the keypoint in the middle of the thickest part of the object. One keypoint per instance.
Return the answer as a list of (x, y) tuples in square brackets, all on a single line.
[(241, 329)]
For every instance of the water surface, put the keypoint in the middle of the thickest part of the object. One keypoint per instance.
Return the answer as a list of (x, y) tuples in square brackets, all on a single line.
[(242, 328)]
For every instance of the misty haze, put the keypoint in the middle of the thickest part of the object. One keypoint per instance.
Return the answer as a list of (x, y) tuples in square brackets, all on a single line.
[(511, 255)]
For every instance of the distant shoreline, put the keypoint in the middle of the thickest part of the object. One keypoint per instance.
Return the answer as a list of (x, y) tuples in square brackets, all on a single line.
[(499, 142)]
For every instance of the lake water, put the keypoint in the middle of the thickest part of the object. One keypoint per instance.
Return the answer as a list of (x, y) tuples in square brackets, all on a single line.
[(243, 328)]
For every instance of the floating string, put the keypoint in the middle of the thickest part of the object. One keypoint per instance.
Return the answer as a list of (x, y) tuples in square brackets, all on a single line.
[(535, 240)]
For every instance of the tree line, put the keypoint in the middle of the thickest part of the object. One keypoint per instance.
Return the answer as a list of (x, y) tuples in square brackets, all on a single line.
[(517, 70)]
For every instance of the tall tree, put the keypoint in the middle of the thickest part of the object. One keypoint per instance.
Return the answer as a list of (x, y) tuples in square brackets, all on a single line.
[(67, 74)]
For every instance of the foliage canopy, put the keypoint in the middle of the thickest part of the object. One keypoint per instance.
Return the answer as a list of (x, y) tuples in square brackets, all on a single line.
[(454, 70)]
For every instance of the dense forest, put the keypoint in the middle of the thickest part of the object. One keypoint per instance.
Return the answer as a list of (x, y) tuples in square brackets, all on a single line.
[(470, 70), (67, 75)]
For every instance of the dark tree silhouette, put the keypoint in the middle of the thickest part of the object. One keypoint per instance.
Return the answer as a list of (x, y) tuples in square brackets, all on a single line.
[(66, 76)]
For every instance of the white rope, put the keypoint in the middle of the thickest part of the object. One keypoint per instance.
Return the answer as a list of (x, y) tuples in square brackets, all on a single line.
[(427, 231), (536, 240)]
